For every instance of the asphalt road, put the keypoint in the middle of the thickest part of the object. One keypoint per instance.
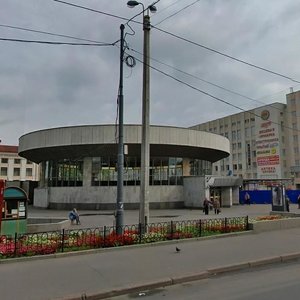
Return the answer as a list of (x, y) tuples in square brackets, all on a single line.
[(274, 282)]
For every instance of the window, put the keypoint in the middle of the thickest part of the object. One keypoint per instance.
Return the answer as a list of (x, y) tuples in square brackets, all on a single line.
[(216, 168), (295, 138), (238, 133), (239, 156), (17, 161), (235, 167), (294, 125), (247, 131), (296, 150), (234, 146), (4, 160), (28, 162), (252, 130), (28, 172), (16, 171), (65, 173), (3, 171), (233, 156), (240, 166), (239, 145), (226, 134), (233, 134), (294, 114)]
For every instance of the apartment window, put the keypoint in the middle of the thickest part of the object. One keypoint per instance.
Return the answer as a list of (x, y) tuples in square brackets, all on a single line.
[(238, 133), (247, 131), (233, 156), (254, 153), (227, 167), (293, 101), (3, 171), (222, 168), (296, 150), (294, 114), (239, 156), (254, 164), (4, 160), (226, 134), (235, 167), (16, 171), (239, 145), (233, 124), (252, 130), (294, 125), (238, 122), (28, 162), (17, 161), (240, 166), (295, 138), (234, 146), (28, 172), (233, 133), (216, 168)]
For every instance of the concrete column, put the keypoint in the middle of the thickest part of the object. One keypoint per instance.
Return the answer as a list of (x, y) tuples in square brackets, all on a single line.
[(186, 168), (87, 172)]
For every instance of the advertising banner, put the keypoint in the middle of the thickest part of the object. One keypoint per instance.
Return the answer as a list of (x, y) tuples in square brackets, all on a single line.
[(267, 144)]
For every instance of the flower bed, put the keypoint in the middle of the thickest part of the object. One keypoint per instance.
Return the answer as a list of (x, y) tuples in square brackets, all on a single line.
[(74, 240)]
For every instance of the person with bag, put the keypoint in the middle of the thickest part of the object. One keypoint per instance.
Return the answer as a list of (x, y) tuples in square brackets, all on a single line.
[(216, 205)]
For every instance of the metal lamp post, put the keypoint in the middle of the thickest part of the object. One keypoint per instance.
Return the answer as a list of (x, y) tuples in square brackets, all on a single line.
[(145, 145)]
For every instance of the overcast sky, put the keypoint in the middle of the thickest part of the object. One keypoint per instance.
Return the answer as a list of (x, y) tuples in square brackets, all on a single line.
[(44, 86)]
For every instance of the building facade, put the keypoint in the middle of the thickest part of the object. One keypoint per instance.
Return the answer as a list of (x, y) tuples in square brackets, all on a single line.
[(264, 142), (78, 166), (14, 168)]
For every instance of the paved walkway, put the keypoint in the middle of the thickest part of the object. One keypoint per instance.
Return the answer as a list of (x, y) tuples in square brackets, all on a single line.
[(95, 218), (71, 276)]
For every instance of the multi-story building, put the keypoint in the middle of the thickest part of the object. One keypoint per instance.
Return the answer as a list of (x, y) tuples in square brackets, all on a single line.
[(14, 168), (264, 141)]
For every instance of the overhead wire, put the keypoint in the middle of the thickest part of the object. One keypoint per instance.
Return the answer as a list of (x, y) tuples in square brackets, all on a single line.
[(212, 96), (48, 33), (203, 80), (185, 40), (55, 43), (177, 12)]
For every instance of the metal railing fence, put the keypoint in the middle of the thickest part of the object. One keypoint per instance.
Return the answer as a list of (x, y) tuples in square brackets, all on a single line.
[(90, 238)]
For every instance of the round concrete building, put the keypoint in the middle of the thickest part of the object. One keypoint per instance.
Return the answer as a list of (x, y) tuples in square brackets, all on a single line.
[(78, 164)]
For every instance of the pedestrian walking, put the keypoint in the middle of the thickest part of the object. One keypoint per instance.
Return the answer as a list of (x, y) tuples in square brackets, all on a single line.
[(216, 205), (206, 204), (247, 198)]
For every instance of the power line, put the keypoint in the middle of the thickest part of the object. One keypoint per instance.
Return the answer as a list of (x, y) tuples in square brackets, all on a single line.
[(49, 33), (176, 13), (203, 80), (212, 96), (55, 43), (91, 9), (186, 40), (224, 54)]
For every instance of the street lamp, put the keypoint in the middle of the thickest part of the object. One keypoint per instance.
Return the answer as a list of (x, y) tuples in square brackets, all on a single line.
[(145, 145)]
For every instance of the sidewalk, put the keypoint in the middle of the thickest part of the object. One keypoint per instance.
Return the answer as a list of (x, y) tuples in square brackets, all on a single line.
[(71, 276)]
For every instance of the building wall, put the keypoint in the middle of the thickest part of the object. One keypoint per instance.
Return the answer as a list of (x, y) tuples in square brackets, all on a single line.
[(244, 133), (15, 168), (105, 197)]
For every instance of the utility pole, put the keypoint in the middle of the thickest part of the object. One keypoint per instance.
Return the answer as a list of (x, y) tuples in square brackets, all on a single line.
[(145, 145), (120, 203)]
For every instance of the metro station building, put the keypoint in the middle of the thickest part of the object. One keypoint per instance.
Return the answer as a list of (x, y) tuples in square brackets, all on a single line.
[(79, 167)]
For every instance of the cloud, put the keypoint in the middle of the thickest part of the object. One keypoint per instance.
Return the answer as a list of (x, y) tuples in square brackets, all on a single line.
[(48, 86)]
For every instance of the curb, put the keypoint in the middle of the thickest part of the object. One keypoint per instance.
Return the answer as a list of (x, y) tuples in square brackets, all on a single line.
[(128, 247), (163, 282)]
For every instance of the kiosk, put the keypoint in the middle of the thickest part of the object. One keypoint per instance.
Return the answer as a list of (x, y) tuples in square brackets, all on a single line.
[(13, 207), (279, 198)]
